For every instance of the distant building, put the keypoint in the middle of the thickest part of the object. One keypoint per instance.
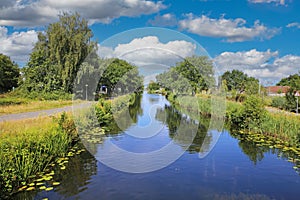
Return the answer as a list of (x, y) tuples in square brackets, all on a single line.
[(277, 90)]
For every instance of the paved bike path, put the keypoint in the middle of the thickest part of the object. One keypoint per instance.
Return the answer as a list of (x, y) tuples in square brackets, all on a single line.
[(34, 114)]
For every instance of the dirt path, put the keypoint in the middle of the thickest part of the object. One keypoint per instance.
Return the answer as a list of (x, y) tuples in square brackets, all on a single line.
[(48, 112), (276, 110)]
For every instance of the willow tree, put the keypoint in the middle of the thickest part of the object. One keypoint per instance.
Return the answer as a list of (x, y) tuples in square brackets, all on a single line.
[(61, 49)]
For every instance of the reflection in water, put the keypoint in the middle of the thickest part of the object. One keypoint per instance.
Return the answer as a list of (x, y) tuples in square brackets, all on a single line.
[(226, 173), (73, 180), (126, 117), (76, 176), (174, 119)]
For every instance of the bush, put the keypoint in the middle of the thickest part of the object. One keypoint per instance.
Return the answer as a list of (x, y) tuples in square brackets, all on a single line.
[(279, 102), (251, 115), (36, 95), (7, 101)]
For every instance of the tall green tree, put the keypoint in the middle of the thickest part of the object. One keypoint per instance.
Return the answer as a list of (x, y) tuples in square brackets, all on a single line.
[(293, 81), (236, 80), (58, 54), (120, 77), (9, 74), (193, 74)]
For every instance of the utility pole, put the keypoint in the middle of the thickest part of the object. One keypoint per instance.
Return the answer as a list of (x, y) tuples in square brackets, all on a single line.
[(297, 96), (86, 86)]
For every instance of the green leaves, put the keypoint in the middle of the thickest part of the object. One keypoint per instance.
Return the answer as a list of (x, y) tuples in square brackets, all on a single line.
[(192, 75), (236, 80), (9, 74), (292, 81), (58, 54)]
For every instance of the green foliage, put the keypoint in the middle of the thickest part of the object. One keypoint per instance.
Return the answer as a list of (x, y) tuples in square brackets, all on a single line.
[(291, 100), (250, 116), (120, 78), (42, 95), (192, 75), (9, 74), (279, 102), (58, 54), (292, 81), (24, 154), (239, 82), (103, 112), (153, 87), (12, 101)]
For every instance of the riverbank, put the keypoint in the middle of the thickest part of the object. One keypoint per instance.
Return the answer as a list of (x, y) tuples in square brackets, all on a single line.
[(279, 127), (28, 147)]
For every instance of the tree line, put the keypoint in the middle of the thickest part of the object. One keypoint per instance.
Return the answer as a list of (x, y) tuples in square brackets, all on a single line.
[(59, 64), (59, 56)]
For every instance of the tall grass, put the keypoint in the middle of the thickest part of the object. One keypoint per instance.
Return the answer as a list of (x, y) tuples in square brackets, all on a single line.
[(28, 146), (282, 126), (279, 126)]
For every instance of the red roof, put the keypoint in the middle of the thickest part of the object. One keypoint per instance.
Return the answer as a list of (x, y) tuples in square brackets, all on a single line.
[(278, 89)]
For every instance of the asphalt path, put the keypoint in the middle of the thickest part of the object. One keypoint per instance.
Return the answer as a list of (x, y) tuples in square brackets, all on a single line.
[(49, 112)]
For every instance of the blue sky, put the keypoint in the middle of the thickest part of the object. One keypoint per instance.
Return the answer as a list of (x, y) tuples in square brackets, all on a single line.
[(259, 37)]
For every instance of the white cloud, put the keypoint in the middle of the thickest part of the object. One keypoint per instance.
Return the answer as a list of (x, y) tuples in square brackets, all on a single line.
[(234, 30), (294, 24), (17, 45), (164, 20), (262, 65), (278, 2), (149, 50), (244, 59), (40, 12)]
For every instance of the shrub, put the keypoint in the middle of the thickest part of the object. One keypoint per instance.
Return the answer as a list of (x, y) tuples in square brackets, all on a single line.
[(251, 115), (279, 102)]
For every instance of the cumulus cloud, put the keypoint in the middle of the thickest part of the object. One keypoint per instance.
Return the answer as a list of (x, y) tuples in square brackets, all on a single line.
[(294, 24), (262, 65), (40, 12), (278, 2), (149, 50), (164, 20), (17, 45), (244, 59), (234, 30)]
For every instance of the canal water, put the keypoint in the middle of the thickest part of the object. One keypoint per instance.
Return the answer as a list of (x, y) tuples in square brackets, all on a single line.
[(233, 169)]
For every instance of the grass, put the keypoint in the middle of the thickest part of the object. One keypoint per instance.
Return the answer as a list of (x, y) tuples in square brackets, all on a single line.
[(28, 146), (29, 106), (277, 126)]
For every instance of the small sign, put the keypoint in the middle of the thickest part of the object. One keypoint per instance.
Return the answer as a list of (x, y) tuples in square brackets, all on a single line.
[(297, 94)]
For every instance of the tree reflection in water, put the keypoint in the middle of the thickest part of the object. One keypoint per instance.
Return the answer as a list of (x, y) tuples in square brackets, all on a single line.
[(174, 119), (73, 180)]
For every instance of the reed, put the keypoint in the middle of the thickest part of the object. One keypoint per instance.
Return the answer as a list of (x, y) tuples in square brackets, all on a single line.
[(28, 146), (278, 126)]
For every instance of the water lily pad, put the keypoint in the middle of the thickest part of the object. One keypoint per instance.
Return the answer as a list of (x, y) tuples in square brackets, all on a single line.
[(56, 183), (22, 188), (63, 167), (40, 183), (31, 184), (47, 178), (49, 189), (30, 188), (42, 187)]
